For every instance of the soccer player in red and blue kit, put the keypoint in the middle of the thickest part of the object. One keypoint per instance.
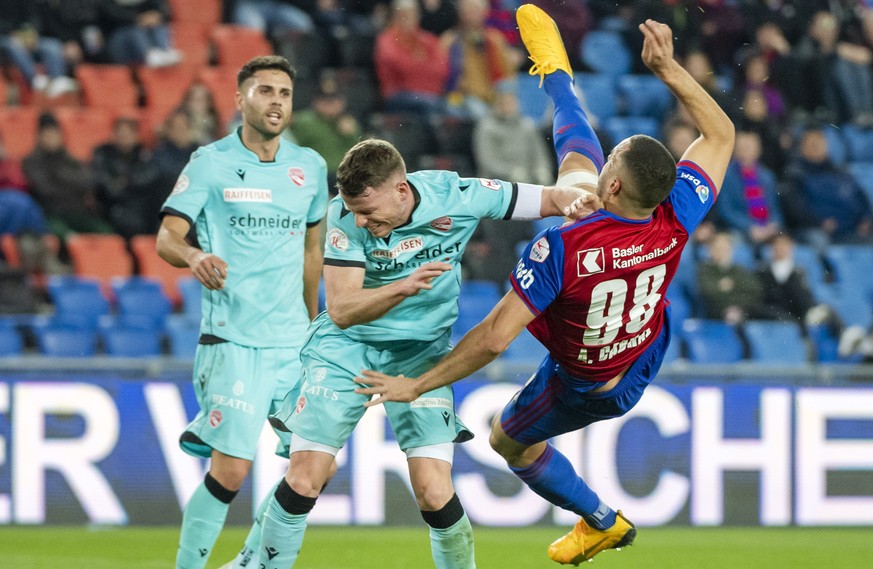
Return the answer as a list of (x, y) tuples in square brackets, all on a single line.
[(592, 291)]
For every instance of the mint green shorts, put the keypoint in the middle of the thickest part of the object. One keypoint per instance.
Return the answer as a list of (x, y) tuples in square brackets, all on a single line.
[(325, 409), (238, 388)]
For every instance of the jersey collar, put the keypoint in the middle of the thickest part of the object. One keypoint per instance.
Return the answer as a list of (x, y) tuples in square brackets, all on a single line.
[(249, 150)]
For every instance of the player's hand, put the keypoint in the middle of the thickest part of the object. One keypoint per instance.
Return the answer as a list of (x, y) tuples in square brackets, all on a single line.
[(422, 277), (583, 206), (209, 269), (657, 46), (387, 387)]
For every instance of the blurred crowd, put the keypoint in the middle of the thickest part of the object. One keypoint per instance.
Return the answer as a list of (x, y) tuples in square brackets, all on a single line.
[(444, 80)]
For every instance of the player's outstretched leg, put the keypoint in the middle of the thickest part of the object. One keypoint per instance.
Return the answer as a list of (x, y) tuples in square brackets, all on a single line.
[(580, 156)]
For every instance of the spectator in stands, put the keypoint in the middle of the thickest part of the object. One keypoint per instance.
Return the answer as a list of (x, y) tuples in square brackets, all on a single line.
[(824, 202), (747, 203), (19, 213), (174, 149), (138, 32), (720, 30), (327, 128), (756, 78), (411, 65), (76, 24), (775, 140), (678, 136), (438, 16), (730, 292), (205, 119), (274, 17), (479, 59), (23, 45), (127, 181), (699, 66), (62, 185)]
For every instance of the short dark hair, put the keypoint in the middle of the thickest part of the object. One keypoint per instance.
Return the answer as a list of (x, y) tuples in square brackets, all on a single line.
[(262, 62), (651, 169), (368, 164)]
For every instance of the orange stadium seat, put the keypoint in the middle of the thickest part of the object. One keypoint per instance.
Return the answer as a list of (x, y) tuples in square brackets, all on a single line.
[(84, 129), (101, 257), (221, 82), (235, 45), (192, 39), (3, 93), (199, 11), (107, 86), (18, 130), (151, 265), (166, 86)]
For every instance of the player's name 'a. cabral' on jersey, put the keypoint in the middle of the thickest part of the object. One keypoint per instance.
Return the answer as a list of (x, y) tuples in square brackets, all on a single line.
[(445, 215), (254, 215), (598, 286)]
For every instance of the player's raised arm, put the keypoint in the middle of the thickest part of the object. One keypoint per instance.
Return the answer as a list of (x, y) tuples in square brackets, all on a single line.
[(712, 150)]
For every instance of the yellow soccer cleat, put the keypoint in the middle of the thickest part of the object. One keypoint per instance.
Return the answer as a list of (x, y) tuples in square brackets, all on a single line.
[(584, 542), (543, 41)]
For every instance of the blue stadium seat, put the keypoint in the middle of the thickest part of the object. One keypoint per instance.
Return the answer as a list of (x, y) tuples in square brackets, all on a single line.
[(853, 306), (525, 349), (853, 264), (674, 350), (10, 342), (863, 173), (77, 297), (859, 142), (532, 100), (809, 260), (620, 128), (66, 341), (599, 94), (711, 342), (138, 296), (838, 150), (645, 96), (824, 342), (680, 310), (605, 52), (192, 292), (128, 342), (775, 342), (477, 299), (183, 334)]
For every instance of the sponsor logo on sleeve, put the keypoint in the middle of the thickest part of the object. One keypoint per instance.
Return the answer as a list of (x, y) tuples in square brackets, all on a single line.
[(540, 250), (181, 185), (490, 184), (248, 195), (702, 193), (523, 275), (589, 262), (443, 223), (296, 175), (337, 239)]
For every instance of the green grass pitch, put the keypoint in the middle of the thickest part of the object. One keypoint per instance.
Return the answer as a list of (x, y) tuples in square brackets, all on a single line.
[(407, 548)]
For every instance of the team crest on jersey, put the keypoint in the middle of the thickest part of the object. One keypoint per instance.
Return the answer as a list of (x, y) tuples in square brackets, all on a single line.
[(238, 388), (702, 193), (337, 239), (540, 250), (589, 262), (490, 184), (181, 185), (443, 223), (215, 418), (296, 175), (301, 405)]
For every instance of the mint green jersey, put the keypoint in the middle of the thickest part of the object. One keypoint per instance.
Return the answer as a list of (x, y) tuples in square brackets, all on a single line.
[(254, 215), (446, 213)]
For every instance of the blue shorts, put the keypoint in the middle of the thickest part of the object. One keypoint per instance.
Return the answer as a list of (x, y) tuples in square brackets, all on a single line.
[(553, 402)]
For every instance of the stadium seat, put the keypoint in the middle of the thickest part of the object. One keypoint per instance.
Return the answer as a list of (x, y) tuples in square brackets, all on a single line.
[(107, 86), (152, 266), (10, 342), (645, 96), (674, 350), (235, 45), (863, 173), (18, 130), (183, 339), (859, 142), (204, 12), (532, 101), (599, 94), (129, 342), (852, 264), (76, 297), (525, 349), (854, 306), (192, 294), (84, 129), (620, 128), (824, 342), (605, 52), (221, 82), (192, 39), (99, 256), (711, 342), (165, 87), (680, 310), (838, 150), (65, 341), (141, 297), (775, 342)]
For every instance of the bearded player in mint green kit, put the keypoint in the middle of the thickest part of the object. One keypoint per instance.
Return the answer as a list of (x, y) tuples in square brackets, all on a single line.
[(392, 277), (256, 202)]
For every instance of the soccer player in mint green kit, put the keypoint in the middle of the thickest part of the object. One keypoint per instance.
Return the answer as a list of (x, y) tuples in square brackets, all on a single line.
[(256, 202), (392, 277)]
